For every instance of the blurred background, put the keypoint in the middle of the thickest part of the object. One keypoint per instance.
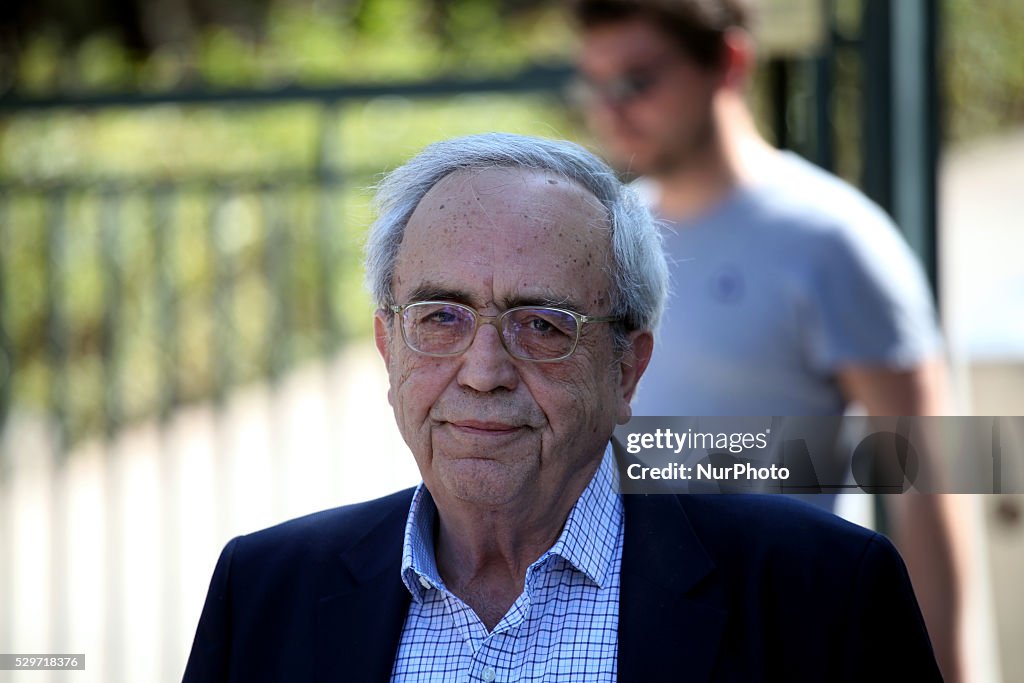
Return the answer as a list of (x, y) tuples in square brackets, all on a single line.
[(185, 349)]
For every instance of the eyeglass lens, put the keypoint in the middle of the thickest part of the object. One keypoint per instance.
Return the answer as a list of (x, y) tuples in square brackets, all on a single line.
[(533, 333), (619, 90)]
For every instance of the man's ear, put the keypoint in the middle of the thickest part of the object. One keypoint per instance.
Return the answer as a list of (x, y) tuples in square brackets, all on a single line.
[(739, 58), (382, 340), (631, 369), (382, 336)]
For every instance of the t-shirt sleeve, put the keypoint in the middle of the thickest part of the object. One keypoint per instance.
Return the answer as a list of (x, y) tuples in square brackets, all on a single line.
[(869, 302)]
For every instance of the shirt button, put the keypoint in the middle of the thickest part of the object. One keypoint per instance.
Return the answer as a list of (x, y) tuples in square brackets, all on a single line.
[(487, 674), (425, 582)]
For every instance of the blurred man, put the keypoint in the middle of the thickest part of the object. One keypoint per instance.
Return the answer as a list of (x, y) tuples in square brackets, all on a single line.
[(794, 294), (518, 284)]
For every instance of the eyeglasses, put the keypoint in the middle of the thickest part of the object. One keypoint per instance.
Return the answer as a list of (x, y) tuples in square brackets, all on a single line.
[(535, 333), (616, 92), (621, 90)]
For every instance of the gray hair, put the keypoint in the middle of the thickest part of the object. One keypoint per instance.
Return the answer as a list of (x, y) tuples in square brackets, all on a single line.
[(639, 272)]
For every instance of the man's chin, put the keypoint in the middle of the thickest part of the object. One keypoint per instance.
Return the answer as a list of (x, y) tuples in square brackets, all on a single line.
[(480, 481), (641, 157), (631, 160), (633, 166)]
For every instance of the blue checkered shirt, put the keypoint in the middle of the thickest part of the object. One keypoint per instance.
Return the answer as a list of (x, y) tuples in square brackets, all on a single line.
[(564, 625)]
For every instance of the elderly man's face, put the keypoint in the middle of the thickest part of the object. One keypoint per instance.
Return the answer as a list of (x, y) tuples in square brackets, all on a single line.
[(485, 427)]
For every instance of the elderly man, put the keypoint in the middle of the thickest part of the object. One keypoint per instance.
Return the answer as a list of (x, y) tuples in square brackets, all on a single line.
[(518, 284)]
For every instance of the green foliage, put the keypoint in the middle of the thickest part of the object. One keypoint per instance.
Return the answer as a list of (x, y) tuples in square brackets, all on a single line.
[(984, 66), (39, 63), (308, 42)]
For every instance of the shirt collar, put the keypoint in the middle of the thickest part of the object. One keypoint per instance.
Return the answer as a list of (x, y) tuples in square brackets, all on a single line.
[(418, 565), (587, 542)]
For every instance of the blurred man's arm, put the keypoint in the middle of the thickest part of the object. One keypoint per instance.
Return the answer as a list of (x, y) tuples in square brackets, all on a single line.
[(884, 391), (920, 526)]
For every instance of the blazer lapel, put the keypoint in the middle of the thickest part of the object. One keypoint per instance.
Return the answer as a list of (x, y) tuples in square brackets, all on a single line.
[(364, 605), (671, 619)]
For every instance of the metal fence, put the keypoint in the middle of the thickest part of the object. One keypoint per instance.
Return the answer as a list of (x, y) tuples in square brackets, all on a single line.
[(194, 243)]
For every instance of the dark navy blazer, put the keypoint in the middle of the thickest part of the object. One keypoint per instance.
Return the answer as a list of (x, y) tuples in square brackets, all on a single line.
[(714, 588)]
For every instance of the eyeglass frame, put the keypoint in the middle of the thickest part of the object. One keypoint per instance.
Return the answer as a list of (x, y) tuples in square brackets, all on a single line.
[(495, 320), (622, 90), (617, 92)]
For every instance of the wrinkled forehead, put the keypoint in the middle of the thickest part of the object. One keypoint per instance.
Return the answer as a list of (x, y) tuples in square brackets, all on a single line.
[(515, 189), (511, 230), (512, 204)]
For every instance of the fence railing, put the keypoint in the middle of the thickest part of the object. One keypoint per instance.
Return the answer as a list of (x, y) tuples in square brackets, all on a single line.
[(163, 252)]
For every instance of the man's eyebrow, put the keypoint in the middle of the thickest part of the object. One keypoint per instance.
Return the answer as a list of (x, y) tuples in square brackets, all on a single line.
[(429, 291), (541, 300)]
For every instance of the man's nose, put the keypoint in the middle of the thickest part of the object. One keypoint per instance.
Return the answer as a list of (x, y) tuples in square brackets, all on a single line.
[(486, 365)]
